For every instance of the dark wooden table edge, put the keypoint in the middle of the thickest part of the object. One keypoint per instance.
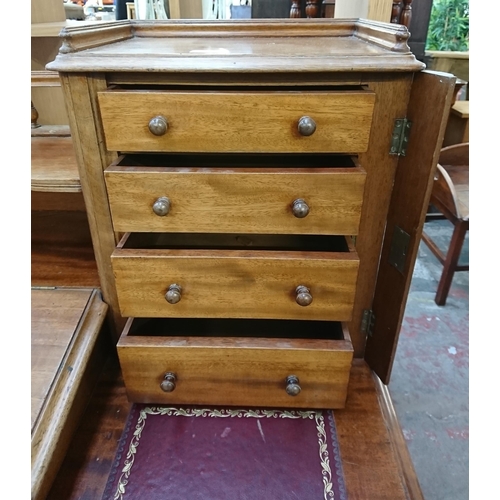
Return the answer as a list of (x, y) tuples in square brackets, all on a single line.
[(53, 432), (82, 477), (405, 463)]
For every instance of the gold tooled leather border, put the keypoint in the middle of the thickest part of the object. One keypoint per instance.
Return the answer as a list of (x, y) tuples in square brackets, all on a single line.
[(190, 412)]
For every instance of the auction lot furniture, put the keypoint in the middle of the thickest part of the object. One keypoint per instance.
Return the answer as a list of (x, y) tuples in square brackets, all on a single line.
[(256, 192)]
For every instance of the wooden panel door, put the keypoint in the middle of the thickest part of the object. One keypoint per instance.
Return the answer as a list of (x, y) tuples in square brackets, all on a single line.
[(428, 110)]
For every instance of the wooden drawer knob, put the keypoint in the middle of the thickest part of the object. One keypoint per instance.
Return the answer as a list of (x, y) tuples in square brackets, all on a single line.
[(304, 297), (158, 125), (168, 382), (161, 206), (292, 385), (300, 208), (173, 294), (307, 126)]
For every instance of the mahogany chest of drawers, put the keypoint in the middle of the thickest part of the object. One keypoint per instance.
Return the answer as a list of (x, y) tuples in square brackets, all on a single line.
[(254, 197)]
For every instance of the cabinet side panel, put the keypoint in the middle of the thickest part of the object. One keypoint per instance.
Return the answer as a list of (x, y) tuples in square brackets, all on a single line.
[(428, 111), (92, 158), (392, 94)]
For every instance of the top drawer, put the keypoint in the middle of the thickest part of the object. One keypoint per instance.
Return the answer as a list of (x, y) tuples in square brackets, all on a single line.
[(157, 120)]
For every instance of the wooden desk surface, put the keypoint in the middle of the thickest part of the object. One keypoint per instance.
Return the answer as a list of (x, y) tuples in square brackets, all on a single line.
[(54, 319), (376, 462), (67, 354)]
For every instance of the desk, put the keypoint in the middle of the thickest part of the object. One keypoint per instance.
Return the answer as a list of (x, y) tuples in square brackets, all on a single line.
[(369, 423), (67, 353)]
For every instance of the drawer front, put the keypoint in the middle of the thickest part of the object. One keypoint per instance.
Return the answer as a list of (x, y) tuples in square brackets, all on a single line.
[(237, 121), (155, 199), (235, 284), (235, 371)]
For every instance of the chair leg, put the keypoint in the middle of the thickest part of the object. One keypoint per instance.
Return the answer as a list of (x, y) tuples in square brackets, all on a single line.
[(451, 261)]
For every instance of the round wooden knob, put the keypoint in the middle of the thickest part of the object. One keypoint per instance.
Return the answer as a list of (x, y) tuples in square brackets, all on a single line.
[(307, 126), (304, 297), (168, 382), (161, 206), (292, 385), (173, 294), (158, 125), (300, 208)]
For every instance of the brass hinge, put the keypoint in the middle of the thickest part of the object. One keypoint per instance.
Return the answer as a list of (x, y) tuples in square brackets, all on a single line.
[(400, 137), (368, 322)]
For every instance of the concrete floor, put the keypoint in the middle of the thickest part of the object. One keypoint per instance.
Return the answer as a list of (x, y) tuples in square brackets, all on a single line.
[(430, 379)]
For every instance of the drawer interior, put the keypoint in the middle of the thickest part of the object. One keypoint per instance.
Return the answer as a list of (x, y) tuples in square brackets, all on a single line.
[(238, 161), (151, 85), (264, 242), (227, 327), (235, 276), (236, 362)]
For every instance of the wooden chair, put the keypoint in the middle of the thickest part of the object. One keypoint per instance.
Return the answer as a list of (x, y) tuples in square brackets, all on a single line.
[(312, 8), (450, 196), (401, 10)]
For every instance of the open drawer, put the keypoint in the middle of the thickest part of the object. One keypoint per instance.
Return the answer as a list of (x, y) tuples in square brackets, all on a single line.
[(302, 364), (297, 194), (235, 276)]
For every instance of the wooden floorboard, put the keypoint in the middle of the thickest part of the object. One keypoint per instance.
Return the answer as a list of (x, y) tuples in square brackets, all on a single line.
[(370, 457)]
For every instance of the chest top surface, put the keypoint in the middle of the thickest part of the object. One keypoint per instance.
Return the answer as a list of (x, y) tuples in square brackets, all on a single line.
[(255, 46)]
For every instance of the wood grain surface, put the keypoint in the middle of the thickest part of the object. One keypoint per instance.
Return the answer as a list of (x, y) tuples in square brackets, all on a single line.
[(92, 157), (398, 441), (236, 371), (55, 316), (371, 457), (237, 121), (236, 200), (249, 46), (51, 131), (428, 109), (68, 347), (392, 98), (56, 202), (87, 463), (61, 248), (235, 283), (370, 454), (53, 165)]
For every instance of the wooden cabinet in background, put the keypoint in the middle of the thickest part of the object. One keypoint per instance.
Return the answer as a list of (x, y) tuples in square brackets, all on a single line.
[(47, 20)]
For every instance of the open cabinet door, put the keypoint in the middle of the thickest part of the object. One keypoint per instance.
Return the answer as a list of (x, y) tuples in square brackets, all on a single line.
[(428, 111)]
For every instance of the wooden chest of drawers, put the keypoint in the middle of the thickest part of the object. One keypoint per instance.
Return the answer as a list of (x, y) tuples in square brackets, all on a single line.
[(254, 199)]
